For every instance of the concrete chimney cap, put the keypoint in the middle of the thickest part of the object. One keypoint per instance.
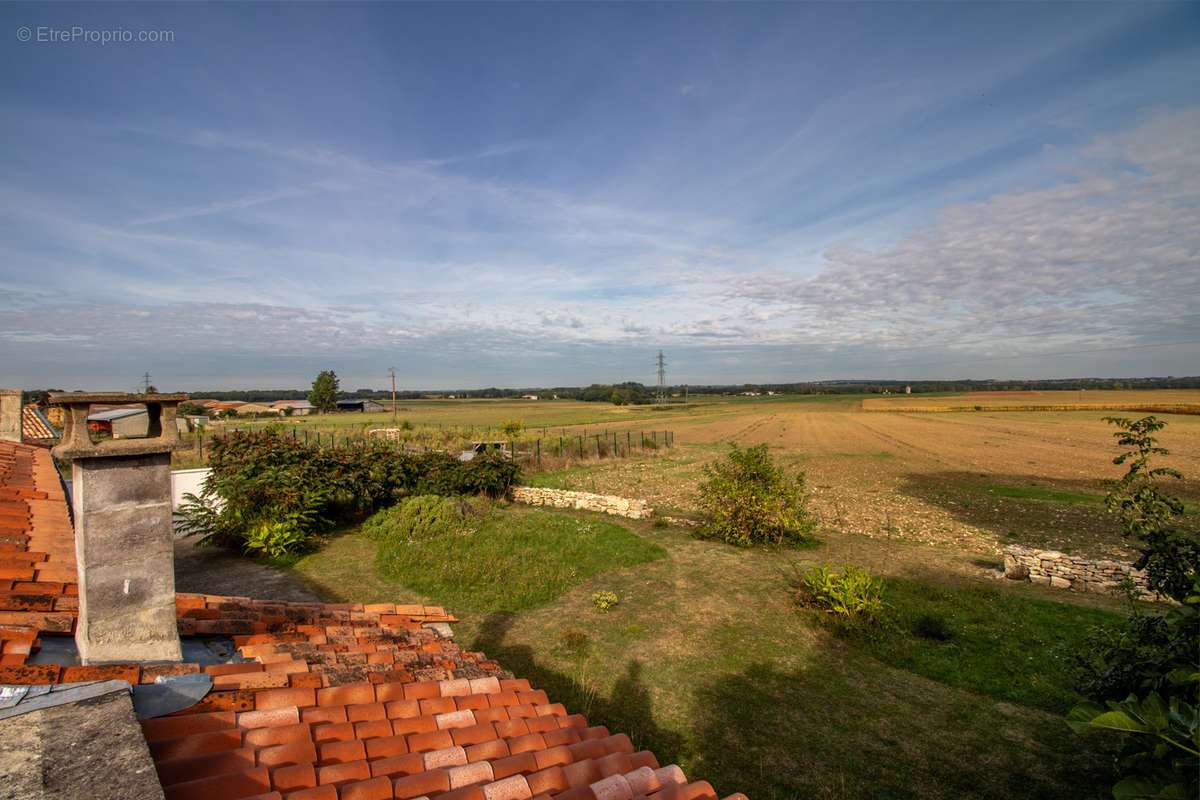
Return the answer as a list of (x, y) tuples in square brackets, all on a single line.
[(161, 433), (113, 398)]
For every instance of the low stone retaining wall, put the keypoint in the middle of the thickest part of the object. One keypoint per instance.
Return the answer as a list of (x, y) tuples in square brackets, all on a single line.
[(1052, 568), (583, 501)]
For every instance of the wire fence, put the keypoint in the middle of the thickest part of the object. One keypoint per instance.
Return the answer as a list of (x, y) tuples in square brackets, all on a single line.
[(547, 450)]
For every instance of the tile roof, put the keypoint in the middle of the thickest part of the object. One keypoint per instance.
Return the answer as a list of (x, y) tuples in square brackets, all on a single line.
[(34, 424), (329, 701)]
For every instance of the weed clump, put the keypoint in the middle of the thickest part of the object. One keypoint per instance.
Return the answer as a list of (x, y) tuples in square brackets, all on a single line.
[(605, 600), (852, 594)]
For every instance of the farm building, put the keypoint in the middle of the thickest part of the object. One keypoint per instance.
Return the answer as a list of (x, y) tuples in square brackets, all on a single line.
[(299, 407), (121, 422), (364, 406), (255, 408)]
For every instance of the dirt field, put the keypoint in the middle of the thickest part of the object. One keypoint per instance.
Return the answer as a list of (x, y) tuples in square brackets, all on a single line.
[(1184, 400), (968, 480)]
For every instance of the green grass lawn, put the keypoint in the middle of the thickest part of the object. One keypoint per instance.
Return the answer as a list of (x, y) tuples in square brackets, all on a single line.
[(981, 638), (707, 660), (515, 560)]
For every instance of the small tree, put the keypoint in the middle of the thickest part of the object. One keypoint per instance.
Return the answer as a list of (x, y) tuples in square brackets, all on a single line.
[(512, 428), (1152, 662), (1169, 554), (325, 392), (749, 500)]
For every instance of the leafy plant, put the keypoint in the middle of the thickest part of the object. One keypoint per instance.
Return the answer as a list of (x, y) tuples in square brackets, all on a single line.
[(1169, 554), (276, 539), (605, 600), (749, 500), (853, 593), (1162, 750), (1158, 662)]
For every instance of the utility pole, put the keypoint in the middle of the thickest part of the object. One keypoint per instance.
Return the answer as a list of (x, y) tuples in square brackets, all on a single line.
[(146, 383), (661, 397), (392, 370)]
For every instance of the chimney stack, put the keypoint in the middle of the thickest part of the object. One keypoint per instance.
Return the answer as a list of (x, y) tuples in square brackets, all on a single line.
[(124, 538)]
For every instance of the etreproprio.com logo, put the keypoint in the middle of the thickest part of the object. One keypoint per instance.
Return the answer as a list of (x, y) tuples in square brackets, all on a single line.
[(79, 34)]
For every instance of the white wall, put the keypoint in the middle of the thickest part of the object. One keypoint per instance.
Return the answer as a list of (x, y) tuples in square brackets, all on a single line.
[(184, 481)]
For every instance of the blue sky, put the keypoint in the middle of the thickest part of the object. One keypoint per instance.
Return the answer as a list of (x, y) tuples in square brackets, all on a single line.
[(548, 194)]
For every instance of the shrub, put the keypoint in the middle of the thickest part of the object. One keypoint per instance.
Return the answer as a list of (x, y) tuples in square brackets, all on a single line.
[(748, 500), (1160, 717), (266, 477), (853, 594), (1153, 663), (419, 518)]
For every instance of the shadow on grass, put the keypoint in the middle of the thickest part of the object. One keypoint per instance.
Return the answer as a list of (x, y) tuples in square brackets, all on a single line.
[(1024, 509), (841, 727), (828, 732), (627, 710)]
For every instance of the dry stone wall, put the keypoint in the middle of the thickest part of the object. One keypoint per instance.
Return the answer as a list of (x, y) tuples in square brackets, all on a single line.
[(583, 501), (1052, 568)]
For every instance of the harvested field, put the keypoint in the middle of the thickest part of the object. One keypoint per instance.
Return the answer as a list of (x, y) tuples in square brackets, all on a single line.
[(966, 480), (1153, 401)]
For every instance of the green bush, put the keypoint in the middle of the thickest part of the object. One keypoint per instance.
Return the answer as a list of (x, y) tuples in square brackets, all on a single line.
[(748, 500), (1143, 680), (267, 477), (853, 593), (419, 518), (1159, 719)]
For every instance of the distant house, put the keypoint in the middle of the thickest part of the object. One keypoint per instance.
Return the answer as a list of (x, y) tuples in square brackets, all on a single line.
[(217, 406), (364, 406), (121, 422), (299, 407), (529, 397)]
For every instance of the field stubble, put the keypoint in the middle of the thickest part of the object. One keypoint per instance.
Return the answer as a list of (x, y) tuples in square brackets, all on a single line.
[(968, 481)]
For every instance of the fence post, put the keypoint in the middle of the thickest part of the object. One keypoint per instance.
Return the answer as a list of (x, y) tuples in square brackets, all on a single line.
[(597, 445), (539, 452), (581, 447), (655, 435), (628, 443)]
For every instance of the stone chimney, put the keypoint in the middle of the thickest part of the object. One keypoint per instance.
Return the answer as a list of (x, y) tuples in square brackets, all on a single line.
[(124, 541), (10, 415)]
